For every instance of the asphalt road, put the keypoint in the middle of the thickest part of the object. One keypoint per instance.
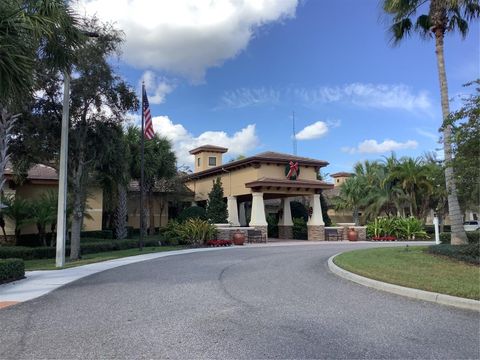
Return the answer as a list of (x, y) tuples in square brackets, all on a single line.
[(276, 302)]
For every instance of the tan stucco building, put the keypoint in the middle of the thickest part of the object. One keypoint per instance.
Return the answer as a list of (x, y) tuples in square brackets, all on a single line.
[(250, 181), (42, 178)]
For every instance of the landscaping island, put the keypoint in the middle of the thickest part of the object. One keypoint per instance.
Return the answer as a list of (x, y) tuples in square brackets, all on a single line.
[(414, 267)]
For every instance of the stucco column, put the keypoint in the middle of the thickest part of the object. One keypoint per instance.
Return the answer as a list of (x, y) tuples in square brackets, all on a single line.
[(316, 225), (285, 223), (242, 215), (257, 217), (232, 211)]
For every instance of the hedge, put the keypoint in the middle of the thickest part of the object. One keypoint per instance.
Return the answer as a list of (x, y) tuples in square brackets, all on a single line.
[(99, 234), (43, 252), (473, 237), (11, 269), (430, 229), (469, 253)]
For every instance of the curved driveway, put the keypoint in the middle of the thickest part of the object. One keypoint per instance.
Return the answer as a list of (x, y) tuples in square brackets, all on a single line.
[(271, 302)]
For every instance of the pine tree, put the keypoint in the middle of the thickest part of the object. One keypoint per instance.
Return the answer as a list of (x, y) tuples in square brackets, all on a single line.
[(216, 207)]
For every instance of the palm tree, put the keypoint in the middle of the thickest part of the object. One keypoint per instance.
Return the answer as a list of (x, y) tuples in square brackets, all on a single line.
[(353, 193), (44, 212), (443, 16), (19, 211)]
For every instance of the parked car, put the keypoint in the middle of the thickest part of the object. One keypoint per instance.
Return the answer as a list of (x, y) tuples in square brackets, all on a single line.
[(471, 225)]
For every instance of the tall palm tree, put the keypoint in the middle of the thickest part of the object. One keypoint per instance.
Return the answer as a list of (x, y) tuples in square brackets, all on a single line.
[(353, 193), (441, 16)]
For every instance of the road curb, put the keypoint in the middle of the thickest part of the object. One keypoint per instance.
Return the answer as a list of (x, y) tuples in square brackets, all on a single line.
[(443, 299)]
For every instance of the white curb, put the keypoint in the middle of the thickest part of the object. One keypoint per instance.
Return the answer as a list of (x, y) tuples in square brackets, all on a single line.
[(443, 299)]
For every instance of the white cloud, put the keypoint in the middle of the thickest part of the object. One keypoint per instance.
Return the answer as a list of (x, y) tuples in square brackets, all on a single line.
[(374, 147), (312, 131), (157, 87), (428, 134), (183, 141), (380, 96), (244, 97), (187, 37)]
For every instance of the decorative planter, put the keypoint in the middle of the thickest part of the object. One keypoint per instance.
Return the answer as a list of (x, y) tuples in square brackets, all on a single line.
[(352, 235), (238, 238)]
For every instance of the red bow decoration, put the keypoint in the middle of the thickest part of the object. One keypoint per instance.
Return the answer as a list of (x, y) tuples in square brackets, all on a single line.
[(293, 170)]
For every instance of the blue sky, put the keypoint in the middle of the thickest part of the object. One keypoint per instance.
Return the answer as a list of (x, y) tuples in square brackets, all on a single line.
[(230, 73)]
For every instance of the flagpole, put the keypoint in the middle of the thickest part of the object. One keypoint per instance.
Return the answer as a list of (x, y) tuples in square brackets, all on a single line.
[(142, 173)]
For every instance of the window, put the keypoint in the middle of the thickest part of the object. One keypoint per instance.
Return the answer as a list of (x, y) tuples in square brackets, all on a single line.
[(212, 161), (338, 180), (198, 161)]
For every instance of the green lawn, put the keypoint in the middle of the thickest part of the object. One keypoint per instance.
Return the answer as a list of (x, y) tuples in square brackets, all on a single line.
[(415, 269), (49, 264)]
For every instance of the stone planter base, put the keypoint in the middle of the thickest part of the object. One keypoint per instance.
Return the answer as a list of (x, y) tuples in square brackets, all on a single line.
[(316, 232), (263, 229), (285, 232)]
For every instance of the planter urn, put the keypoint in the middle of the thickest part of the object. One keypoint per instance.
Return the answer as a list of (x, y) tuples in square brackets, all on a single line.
[(238, 238), (352, 235)]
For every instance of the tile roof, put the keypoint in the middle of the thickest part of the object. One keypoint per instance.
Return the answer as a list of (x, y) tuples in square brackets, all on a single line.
[(341, 174), (36, 172), (212, 148), (300, 183)]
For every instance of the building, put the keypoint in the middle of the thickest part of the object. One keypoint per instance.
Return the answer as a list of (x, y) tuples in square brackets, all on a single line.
[(42, 178), (248, 182)]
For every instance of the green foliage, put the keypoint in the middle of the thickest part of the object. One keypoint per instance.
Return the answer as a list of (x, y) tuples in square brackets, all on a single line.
[(170, 234), (466, 146), (192, 212), (300, 231), (473, 237), (323, 203), (97, 234), (89, 247), (196, 232), (469, 253), (216, 207), (403, 228), (19, 211), (298, 210), (272, 222), (11, 269)]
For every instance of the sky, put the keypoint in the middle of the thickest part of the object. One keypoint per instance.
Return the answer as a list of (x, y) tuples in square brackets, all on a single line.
[(234, 73)]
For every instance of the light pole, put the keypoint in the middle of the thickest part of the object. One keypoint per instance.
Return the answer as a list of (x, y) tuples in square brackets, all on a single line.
[(435, 224), (62, 176)]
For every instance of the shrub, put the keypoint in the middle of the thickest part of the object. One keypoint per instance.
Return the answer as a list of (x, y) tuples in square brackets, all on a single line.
[(299, 210), (99, 234), (27, 253), (196, 232), (44, 252), (300, 229), (11, 269), (473, 237), (170, 234), (216, 207), (272, 225), (469, 253), (216, 243), (405, 228), (192, 212)]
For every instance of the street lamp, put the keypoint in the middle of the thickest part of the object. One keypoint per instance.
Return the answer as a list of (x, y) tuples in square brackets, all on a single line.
[(62, 176), (435, 224)]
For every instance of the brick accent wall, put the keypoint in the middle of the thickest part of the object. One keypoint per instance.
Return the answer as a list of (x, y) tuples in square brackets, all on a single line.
[(285, 232), (316, 233)]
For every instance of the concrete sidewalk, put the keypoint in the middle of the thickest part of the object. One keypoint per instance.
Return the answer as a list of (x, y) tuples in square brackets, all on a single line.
[(38, 283)]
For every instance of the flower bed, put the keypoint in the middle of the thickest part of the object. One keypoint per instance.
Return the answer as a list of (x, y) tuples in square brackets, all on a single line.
[(216, 243), (384, 238)]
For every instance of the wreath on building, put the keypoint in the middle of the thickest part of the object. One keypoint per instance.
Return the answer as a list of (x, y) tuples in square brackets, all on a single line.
[(292, 170)]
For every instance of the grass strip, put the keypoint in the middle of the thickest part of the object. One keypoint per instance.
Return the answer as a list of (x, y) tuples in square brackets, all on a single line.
[(415, 268), (49, 264)]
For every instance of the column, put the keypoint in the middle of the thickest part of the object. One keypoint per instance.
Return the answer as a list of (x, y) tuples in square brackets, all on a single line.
[(257, 217), (232, 211), (315, 225), (285, 223), (242, 215)]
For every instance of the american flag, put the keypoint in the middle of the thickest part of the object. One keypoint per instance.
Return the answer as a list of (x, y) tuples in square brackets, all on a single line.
[(149, 133)]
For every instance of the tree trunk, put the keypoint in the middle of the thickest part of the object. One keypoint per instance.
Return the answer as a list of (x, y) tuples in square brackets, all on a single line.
[(456, 220), (77, 213), (121, 213), (356, 217)]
